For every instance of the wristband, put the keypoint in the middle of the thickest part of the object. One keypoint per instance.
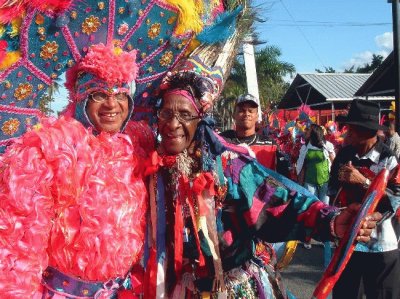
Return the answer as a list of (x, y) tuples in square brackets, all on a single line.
[(332, 226)]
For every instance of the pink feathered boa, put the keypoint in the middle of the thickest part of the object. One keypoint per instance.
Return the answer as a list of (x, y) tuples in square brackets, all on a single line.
[(71, 200)]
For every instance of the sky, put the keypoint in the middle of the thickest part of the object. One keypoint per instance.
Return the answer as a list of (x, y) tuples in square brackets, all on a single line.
[(314, 34)]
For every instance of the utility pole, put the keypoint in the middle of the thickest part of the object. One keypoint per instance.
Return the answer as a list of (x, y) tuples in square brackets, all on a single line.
[(251, 73), (396, 56)]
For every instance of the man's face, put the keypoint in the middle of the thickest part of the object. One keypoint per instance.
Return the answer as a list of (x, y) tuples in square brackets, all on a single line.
[(246, 115), (107, 112), (390, 132), (358, 136), (176, 133)]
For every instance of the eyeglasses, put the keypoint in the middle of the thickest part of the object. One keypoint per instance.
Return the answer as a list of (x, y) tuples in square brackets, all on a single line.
[(100, 97), (166, 115)]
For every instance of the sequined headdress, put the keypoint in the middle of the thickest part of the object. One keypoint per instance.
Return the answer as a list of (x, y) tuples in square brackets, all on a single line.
[(40, 40)]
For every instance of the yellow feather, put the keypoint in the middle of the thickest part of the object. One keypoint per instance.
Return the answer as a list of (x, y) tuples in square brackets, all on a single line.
[(10, 59), (15, 27), (189, 18), (192, 46), (2, 30)]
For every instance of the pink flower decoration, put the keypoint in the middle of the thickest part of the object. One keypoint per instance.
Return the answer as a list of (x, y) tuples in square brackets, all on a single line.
[(123, 28)]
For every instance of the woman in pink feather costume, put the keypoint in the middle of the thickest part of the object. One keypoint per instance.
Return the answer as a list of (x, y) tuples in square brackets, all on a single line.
[(72, 212)]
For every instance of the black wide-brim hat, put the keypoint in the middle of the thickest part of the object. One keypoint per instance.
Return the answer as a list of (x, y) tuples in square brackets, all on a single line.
[(363, 113)]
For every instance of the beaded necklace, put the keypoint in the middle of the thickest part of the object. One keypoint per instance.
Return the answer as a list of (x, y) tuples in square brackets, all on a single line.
[(244, 140)]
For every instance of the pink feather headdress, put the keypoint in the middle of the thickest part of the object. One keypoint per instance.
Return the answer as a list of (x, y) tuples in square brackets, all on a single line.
[(110, 67)]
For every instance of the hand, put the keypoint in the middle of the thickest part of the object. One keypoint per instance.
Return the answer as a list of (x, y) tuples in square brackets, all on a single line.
[(350, 175), (345, 218)]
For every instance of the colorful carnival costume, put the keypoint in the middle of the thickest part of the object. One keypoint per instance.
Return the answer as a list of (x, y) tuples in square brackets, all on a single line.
[(73, 200), (212, 212), (64, 216), (72, 204), (40, 40)]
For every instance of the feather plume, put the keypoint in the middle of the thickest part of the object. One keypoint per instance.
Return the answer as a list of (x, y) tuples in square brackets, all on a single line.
[(223, 27), (189, 18)]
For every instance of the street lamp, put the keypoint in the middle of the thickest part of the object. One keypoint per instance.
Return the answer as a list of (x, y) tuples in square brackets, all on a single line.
[(396, 46)]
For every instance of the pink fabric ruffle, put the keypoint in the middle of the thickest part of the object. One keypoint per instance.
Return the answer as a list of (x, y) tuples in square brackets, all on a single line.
[(71, 200)]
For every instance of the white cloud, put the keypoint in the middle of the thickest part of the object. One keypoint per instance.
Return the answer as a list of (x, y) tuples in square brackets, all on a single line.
[(358, 60), (384, 42)]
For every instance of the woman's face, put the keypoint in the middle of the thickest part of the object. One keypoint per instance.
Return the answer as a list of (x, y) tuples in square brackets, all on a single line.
[(176, 133), (107, 112)]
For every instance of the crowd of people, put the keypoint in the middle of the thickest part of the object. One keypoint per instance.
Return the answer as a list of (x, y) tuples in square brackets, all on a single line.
[(71, 228), (341, 176), (95, 205)]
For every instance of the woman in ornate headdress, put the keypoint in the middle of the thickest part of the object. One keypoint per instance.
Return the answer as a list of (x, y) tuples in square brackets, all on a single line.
[(213, 207), (72, 200)]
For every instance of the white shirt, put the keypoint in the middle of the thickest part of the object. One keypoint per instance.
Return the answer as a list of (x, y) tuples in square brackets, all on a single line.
[(328, 149)]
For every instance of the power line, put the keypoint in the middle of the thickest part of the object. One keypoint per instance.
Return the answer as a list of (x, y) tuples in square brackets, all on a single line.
[(324, 23), (302, 33)]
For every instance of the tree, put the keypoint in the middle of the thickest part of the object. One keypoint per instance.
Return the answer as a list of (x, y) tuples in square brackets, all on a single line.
[(328, 69), (271, 72), (376, 61), (48, 98), (270, 75), (370, 67)]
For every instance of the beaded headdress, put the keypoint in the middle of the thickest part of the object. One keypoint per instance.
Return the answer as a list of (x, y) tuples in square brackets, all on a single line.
[(40, 40), (203, 82)]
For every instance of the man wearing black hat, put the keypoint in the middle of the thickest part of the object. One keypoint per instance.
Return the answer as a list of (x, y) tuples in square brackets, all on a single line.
[(246, 116), (376, 263)]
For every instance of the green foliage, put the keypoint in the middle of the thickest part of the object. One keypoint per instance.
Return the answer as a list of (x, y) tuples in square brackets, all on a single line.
[(328, 69), (45, 105), (376, 61), (370, 67), (48, 98), (271, 72)]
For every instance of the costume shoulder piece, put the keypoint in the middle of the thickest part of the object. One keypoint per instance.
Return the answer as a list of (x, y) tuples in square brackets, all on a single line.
[(39, 40)]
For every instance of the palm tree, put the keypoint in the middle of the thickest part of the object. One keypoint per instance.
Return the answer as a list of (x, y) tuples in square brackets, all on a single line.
[(271, 72), (48, 98)]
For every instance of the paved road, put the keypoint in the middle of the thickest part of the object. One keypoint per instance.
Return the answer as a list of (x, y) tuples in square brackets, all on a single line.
[(305, 270)]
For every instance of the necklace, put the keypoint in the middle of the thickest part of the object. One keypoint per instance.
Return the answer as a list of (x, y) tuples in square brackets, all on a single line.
[(244, 141)]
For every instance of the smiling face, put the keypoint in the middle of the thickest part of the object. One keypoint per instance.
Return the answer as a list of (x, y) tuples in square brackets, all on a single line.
[(246, 115), (177, 135), (107, 112)]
